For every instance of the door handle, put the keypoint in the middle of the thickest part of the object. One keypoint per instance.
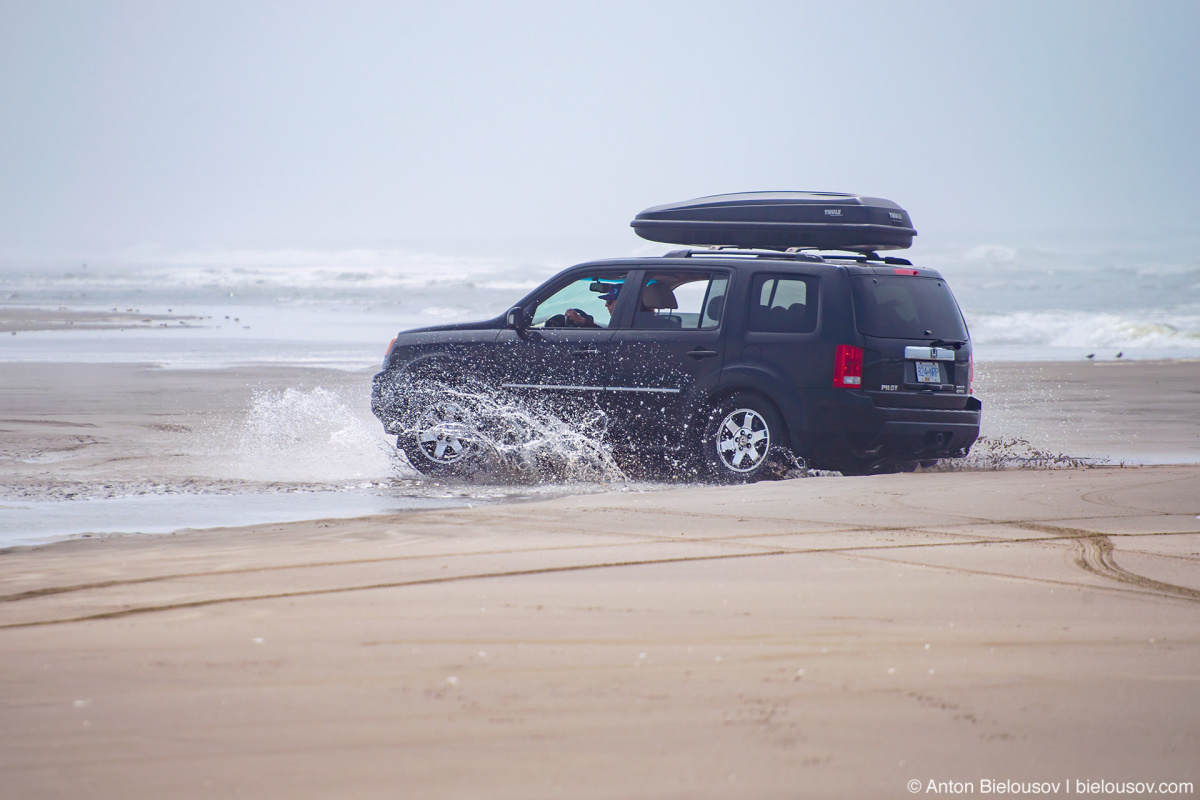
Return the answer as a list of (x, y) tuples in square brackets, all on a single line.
[(590, 351), (699, 353)]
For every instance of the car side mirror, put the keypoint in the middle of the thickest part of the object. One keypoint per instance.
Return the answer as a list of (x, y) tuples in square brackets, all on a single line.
[(517, 319)]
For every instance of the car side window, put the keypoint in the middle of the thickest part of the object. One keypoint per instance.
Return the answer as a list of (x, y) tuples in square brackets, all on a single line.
[(585, 302), (681, 300), (781, 304)]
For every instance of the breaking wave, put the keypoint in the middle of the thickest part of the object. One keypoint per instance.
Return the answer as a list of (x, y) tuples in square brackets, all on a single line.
[(289, 268), (1087, 330)]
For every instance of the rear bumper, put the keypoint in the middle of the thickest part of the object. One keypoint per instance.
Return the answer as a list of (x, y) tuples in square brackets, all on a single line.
[(851, 423), (908, 434)]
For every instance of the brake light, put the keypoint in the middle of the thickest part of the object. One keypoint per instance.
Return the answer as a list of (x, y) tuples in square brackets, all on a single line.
[(391, 344), (971, 374), (847, 367), (899, 271)]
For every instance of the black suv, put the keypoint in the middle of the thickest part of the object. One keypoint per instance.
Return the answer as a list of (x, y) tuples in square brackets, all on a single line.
[(723, 359)]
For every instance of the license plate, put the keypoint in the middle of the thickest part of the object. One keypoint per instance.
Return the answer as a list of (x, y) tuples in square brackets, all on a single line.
[(929, 372)]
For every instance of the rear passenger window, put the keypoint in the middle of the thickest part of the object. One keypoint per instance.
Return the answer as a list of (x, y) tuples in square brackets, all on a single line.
[(681, 300), (783, 305)]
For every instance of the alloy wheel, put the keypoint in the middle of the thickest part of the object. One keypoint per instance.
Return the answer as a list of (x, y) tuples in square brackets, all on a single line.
[(444, 433), (743, 440)]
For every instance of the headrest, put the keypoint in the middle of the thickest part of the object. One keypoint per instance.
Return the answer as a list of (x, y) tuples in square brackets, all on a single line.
[(715, 306), (657, 295)]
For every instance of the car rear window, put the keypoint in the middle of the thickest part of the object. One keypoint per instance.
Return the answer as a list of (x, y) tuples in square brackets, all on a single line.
[(903, 307)]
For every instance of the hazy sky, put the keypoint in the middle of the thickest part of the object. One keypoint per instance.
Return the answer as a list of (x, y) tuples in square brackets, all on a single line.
[(369, 124)]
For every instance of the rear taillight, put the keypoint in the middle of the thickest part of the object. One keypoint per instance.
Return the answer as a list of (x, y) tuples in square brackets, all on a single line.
[(847, 367), (971, 374), (388, 352)]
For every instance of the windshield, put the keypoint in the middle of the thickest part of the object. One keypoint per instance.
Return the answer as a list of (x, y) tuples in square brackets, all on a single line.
[(907, 308)]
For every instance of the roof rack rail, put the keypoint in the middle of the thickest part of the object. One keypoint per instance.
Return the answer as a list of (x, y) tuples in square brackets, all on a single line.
[(866, 257), (797, 253), (729, 250)]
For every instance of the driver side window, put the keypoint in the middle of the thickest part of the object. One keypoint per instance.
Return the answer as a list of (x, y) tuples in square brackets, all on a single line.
[(585, 302)]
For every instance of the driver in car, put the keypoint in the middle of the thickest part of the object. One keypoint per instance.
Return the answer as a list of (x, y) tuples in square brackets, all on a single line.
[(578, 318)]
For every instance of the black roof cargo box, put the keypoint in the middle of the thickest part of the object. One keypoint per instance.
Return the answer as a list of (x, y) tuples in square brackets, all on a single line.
[(780, 220)]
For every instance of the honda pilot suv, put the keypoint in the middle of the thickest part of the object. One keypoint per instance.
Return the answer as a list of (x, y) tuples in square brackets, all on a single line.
[(724, 358)]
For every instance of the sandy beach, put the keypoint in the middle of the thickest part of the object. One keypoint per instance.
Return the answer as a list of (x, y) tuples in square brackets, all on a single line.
[(815, 637)]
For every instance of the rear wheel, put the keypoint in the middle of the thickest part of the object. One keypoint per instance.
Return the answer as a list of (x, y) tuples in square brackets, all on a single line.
[(740, 439)]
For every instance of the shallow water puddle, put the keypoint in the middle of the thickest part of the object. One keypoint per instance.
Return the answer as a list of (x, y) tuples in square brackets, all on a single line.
[(26, 522)]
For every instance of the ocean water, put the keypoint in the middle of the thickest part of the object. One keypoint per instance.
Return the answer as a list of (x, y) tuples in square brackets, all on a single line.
[(318, 452), (1065, 300), (281, 307), (1023, 302)]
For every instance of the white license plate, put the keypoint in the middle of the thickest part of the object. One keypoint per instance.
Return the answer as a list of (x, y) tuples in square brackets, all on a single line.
[(929, 372)]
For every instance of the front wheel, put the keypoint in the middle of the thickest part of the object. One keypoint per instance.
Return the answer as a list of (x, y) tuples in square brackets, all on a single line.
[(739, 439), (439, 440)]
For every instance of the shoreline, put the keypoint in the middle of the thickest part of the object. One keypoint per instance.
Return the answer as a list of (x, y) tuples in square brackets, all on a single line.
[(18, 319), (116, 432)]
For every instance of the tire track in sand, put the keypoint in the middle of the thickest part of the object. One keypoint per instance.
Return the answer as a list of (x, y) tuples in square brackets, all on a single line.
[(1094, 553), (1094, 556)]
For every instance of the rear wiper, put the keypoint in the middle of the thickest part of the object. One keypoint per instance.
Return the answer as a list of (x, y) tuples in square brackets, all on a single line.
[(945, 343)]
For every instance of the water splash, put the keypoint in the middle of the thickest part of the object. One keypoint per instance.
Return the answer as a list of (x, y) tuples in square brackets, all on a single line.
[(313, 436), (493, 437), (992, 453)]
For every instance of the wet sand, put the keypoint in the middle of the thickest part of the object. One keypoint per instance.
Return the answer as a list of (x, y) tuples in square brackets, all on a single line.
[(24, 320), (73, 428), (1134, 411), (821, 637)]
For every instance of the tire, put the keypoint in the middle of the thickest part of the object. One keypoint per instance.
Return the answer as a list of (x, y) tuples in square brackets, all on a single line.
[(739, 439), (437, 439), (883, 466), (853, 467)]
